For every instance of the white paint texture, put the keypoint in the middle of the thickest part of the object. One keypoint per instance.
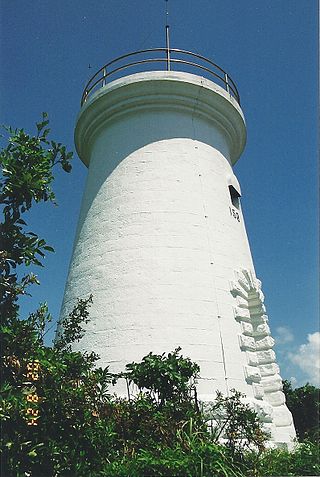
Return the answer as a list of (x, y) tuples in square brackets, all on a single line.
[(157, 244)]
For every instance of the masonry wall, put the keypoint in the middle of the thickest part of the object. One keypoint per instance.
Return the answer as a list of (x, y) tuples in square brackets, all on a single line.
[(159, 238)]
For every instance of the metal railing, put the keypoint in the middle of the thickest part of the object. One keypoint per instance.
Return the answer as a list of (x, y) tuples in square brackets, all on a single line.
[(173, 57)]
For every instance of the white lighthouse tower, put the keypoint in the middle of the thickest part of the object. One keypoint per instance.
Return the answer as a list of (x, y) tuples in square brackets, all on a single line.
[(161, 242)]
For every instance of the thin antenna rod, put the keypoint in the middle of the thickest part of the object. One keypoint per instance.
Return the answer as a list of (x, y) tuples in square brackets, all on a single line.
[(167, 37)]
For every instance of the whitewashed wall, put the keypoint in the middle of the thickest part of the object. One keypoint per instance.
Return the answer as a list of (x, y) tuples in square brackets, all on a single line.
[(159, 241)]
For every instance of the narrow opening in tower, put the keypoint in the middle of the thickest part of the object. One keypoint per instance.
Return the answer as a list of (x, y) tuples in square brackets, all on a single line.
[(235, 197)]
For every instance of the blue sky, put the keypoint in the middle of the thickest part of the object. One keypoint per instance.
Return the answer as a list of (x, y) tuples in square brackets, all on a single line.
[(270, 50)]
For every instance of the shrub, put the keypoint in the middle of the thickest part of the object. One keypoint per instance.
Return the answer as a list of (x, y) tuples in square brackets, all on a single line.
[(304, 460)]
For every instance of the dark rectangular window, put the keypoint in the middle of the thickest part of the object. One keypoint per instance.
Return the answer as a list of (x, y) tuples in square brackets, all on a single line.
[(235, 197)]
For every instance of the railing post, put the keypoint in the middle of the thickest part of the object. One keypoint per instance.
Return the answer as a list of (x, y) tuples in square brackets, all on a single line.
[(104, 81), (168, 47), (84, 97), (226, 82)]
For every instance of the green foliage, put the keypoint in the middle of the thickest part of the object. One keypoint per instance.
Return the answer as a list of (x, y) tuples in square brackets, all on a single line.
[(66, 393), (304, 460), (166, 378), (304, 403), (72, 325), (26, 176), (203, 460), (82, 430), (239, 426)]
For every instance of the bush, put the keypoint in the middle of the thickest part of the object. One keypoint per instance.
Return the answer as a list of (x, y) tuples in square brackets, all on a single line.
[(203, 460), (304, 460)]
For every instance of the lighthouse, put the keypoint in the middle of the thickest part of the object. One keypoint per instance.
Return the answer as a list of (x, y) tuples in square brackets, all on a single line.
[(161, 242)]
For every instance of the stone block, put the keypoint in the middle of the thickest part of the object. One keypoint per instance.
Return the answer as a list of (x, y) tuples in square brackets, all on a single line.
[(262, 408), (272, 384), (241, 314), (264, 343), (252, 358), (269, 369), (262, 330), (241, 302), (252, 373), (282, 416), (275, 398), (236, 290), (247, 328), (266, 357), (247, 343), (258, 391)]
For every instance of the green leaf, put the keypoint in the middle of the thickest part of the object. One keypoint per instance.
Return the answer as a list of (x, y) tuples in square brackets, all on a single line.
[(48, 248), (21, 222), (32, 453), (66, 167)]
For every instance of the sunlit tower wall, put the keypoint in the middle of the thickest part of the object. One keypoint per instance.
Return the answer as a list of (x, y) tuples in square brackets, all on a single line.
[(161, 242)]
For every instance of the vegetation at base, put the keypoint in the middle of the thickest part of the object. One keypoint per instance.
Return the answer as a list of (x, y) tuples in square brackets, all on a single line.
[(304, 403), (304, 460), (58, 415)]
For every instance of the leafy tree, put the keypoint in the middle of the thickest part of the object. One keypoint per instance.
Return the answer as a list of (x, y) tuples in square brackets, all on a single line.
[(27, 174), (47, 394), (304, 404)]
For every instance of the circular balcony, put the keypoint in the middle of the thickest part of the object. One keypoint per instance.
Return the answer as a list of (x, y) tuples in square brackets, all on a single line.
[(169, 59)]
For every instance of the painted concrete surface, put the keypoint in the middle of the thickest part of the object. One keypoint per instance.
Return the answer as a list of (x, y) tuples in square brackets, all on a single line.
[(161, 243)]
